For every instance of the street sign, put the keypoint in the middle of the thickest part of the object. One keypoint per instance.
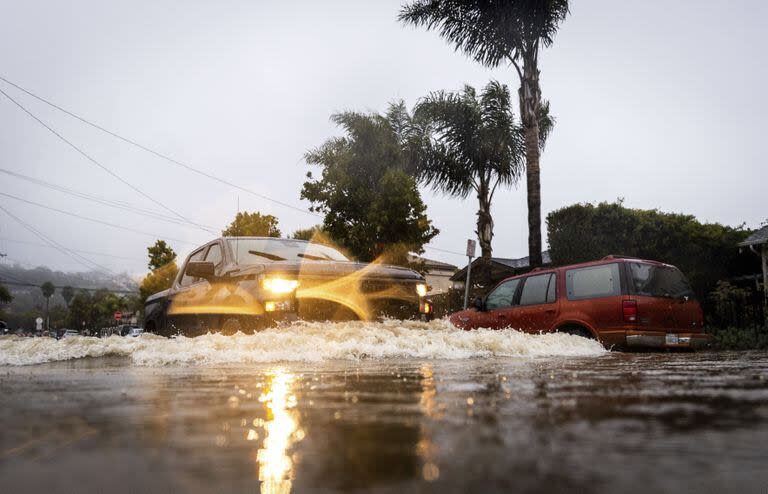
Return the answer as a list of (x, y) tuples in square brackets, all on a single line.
[(471, 247), (39, 323), (118, 315)]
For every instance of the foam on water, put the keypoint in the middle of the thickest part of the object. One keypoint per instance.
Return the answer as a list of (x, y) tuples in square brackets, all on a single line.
[(304, 341)]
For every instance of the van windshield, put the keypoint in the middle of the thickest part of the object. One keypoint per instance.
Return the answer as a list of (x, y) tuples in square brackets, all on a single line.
[(659, 281), (260, 250)]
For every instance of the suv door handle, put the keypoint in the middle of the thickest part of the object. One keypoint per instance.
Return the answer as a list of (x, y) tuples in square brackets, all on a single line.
[(551, 311)]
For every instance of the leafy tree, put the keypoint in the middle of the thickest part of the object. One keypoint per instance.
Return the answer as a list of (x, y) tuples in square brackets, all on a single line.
[(67, 293), (158, 280), (80, 310), (160, 255), (472, 145), (254, 224), (315, 234), (48, 290), (495, 33), (705, 252), (5, 295), (372, 206)]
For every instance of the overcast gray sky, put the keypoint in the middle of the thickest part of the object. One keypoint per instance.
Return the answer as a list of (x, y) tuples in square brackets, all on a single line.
[(661, 103)]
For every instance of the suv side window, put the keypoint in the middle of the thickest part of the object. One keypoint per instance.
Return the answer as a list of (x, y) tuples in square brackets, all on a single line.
[(214, 255), (593, 282), (503, 295), (535, 289), (188, 280)]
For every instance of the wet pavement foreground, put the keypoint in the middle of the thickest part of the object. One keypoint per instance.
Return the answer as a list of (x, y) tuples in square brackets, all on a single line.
[(608, 423)]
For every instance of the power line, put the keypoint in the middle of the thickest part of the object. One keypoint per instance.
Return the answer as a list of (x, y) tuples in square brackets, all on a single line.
[(157, 153), (94, 220), (73, 250), (94, 161), (77, 257), (107, 202), (462, 254), (87, 289)]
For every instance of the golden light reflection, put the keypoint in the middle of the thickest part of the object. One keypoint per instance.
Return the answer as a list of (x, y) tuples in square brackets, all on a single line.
[(426, 449), (281, 431)]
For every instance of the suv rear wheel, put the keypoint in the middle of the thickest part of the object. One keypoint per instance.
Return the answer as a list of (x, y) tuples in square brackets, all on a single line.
[(577, 331)]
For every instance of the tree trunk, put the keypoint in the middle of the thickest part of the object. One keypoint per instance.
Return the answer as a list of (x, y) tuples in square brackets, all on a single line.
[(530, 100), (484, 233)]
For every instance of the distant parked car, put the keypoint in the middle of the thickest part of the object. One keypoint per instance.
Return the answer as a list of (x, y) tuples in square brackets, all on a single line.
[(134, 331), (68, 333), (619, 301), (236, 284)]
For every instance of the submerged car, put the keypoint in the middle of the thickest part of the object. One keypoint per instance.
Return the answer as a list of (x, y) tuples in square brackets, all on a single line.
[(68, 333), (620, 301), (243, 284)]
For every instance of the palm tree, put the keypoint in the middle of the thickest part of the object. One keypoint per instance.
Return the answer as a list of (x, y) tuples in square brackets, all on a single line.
[(48, 290), (496, 32), (471, 145)]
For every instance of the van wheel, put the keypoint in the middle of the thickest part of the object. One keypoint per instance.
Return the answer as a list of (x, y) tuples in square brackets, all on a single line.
[(577, 331), (231, 326)]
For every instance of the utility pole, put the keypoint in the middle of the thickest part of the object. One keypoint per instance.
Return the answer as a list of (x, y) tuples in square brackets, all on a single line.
[(470, 254)]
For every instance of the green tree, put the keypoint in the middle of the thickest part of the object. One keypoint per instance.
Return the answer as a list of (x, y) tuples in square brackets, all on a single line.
[(5, 295), (705, 252), (254, 224), (315, 234), (372, 206), (67, 293), (48, 290), (80, 311), (472, 145), (495, 33), (160, 255)]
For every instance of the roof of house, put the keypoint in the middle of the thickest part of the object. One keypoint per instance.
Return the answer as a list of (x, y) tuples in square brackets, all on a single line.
[(758, 237), (505, 264), (431, 264)]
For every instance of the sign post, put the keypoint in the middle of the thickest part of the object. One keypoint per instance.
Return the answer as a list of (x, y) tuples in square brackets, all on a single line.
[(118, 316), (470, 255), (39, 324)]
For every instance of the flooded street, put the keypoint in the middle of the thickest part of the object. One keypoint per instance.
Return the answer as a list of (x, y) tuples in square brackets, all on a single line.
[(376, 408)]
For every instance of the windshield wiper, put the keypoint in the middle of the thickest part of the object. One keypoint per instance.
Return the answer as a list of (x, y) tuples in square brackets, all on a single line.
[(314, 258), (269, 256)]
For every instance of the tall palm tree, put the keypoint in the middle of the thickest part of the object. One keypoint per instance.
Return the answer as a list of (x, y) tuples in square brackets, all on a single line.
[(48, 290), (471, 145), (493, 32)]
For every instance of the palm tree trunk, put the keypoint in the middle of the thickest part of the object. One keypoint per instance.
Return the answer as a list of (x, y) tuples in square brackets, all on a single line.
[(484, 232), (530, 100)]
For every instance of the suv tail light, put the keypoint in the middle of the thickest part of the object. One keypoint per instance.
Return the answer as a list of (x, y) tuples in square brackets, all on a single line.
[(629, 309)]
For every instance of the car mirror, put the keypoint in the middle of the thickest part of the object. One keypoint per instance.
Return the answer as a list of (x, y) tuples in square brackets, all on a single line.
[(201, 269), (479, 304)]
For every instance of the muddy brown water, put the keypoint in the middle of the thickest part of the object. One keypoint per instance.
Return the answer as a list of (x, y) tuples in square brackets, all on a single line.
[(612, 422)]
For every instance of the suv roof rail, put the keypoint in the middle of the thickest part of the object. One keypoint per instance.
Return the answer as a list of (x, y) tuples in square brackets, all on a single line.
[(614, 256)]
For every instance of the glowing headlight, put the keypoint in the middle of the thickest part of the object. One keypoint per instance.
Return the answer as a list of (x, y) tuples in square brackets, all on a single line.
[(279, 285), (421, 289)]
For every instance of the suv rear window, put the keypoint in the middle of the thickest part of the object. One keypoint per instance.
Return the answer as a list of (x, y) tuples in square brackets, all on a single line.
[(593, 282), (653, 280)]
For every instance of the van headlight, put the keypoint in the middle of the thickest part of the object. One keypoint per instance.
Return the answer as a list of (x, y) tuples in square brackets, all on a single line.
[(279, 286), (421, 289)]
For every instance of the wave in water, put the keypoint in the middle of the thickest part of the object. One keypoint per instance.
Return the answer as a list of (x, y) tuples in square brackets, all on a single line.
[(304, 341)]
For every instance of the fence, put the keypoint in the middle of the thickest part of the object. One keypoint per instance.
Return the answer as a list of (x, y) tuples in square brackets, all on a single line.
[(734, 307)]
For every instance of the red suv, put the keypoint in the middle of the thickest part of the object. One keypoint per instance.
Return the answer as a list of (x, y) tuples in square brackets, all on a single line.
[(620, 301)]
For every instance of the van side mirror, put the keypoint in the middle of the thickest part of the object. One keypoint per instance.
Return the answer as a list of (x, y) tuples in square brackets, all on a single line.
[(201, 269), (479, 304)]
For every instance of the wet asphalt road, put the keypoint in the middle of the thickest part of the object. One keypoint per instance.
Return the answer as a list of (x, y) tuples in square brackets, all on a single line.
[(614, 423)]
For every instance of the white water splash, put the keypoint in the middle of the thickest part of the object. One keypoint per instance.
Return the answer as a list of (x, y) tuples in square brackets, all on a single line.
[(304, 341)]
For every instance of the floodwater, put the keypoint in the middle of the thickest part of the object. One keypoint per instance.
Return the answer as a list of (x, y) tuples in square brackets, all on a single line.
[(364, 407)]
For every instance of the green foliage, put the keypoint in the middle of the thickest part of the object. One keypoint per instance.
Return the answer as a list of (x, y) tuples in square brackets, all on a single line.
[(48, 289), (160, 254), (731, 338), (372, 206), (5, 295), (67, 293), (491, 33), (96, 310), (705, 252), (254, 224), (158, 280), (315, 234)]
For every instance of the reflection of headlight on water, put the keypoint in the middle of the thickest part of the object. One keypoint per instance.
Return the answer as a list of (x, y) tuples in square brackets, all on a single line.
[(421, 289), (275, 466), (279, 286)]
